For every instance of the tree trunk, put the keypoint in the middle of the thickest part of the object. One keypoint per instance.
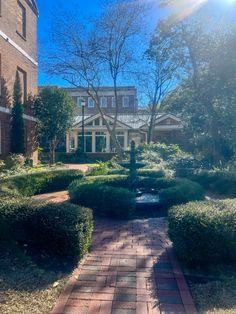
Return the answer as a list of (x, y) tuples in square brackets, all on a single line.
[(52, 152)]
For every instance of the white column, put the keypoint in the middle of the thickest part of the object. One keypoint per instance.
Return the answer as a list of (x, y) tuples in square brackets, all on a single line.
[(76, 140), (68, 143), (93, 142), (108, 142), (126, 144)]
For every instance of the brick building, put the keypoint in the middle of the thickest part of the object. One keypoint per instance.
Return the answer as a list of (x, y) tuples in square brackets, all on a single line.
[(18, 52), (132, 123)]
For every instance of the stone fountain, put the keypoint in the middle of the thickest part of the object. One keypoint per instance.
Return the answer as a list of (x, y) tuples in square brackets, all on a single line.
[(144, 199)]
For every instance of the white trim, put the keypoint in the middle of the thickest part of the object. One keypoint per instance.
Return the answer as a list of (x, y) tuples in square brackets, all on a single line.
[(25, 116), (5, 110), (22, 51), (168, 127), (168, 116)]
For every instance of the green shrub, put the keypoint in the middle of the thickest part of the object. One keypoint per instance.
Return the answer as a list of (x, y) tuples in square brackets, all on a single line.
[(63, 229), (204, 232), (42, 182), (184, 191), (223, 182), (106, 201), (111, 180), (14, 162), (151, 173)]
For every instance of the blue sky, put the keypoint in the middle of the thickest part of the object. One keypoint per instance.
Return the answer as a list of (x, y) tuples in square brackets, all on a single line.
[(47, 9)]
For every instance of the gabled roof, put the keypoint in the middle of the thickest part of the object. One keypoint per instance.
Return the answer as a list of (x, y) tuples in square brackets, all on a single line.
[(128, 121)]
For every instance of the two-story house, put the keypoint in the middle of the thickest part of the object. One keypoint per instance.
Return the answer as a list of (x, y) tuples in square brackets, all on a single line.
[(132, 123), (18, 52)]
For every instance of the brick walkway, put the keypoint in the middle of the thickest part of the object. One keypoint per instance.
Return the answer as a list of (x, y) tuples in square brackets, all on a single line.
[(130, 269)]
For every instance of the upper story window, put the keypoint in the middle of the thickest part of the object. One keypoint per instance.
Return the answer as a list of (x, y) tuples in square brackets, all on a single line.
[(113, 102), (90, 102), (21, 19), (23, 81), (103, 102), (125, 101)]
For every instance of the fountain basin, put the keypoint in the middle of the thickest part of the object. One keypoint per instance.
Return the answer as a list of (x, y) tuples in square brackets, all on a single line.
[(137, 165), (147, 200)]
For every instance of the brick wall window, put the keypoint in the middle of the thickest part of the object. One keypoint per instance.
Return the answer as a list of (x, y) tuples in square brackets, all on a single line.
[(23, 81), (21, 20), (113, 102), (125, 101), (103, 102), (90, 102)]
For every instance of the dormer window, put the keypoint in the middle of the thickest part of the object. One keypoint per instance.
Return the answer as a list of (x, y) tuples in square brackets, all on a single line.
[(21, 20), (103, 102)]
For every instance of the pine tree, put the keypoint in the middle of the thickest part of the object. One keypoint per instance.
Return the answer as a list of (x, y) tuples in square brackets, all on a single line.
[(17, 121)]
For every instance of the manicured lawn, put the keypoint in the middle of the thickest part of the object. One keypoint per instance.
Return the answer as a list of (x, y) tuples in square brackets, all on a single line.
[(26, 285), (213, 289)]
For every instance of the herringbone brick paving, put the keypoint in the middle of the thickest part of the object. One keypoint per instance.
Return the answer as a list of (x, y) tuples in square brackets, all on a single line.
[(130, 269)]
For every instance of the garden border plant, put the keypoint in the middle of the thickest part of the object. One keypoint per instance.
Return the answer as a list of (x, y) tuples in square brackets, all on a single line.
[(39, 182), (110, 193)]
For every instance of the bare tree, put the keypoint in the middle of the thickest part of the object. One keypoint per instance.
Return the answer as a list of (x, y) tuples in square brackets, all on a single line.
[(93, 53), (160, 77)]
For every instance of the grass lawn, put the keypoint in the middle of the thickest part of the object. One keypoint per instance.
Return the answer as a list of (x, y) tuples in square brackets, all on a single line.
[(213, 289), (26, 285)]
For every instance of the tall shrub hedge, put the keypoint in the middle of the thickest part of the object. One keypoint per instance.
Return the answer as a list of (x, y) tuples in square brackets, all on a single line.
[(204, 232), (63, 229)]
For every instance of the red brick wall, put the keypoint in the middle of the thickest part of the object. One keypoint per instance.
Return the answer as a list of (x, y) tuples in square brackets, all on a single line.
[(11, 59)]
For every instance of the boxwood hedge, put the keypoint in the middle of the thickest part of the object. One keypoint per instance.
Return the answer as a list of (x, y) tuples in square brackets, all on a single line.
[(223, 182), (63, 229), (40, 182), (204, 232), (106, 201)]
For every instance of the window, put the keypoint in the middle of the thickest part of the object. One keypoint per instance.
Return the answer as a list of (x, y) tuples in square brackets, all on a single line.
[(23, 82), (72, 143), (125, 102), (113, 102), (90, 102), (97, 121), (87, 142), (21, 20), (103, 102), (100, 142), (120, 138)]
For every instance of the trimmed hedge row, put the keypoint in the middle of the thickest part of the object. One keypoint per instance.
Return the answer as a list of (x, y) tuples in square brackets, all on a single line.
[(152, 173), (109, 195), (106, 201), (64, 229), (204, 232), (222, 182), (40, 182)]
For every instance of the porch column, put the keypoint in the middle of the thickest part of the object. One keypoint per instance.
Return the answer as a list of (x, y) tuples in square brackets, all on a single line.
[(126, 140), (93, 142), (68, 143), (76, 140), (108, 142)]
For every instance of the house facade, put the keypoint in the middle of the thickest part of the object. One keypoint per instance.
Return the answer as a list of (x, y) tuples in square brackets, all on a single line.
[(18, 53), (132, 123)]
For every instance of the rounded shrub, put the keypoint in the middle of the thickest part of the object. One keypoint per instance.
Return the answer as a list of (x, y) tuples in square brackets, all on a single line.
[(183, 191), (106, 201), (204, 232), (63, 229)]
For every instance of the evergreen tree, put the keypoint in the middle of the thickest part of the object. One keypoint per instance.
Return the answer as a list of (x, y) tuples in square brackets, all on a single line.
[(17, 121)]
